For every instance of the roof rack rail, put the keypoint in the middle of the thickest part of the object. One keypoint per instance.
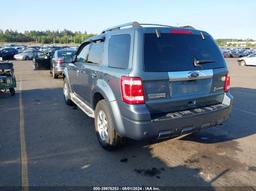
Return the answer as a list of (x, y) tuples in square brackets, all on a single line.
[(157, 25), (134, 24), (118, 27)]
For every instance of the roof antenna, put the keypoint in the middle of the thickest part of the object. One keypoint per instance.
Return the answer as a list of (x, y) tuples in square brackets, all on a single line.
[(158, 33), (202, 35)]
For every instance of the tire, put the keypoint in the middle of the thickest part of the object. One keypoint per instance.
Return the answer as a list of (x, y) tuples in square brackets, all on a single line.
[(104, 127), (36, 66), (66, 93), (55, 76), (26, 58), (12, 91), (242, 63)]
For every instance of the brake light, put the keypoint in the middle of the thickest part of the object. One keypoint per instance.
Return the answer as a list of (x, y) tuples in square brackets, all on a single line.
[(227, 83), (60, 61), (132, 90), (180, 31)]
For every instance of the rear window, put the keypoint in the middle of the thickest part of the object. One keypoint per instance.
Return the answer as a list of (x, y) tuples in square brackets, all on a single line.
[(177, 52), (67, 55), (119, 51)]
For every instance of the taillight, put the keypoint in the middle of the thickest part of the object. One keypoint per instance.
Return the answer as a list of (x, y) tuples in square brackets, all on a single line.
[(60, 61), (132, 90), (180, 31), (227, 83)]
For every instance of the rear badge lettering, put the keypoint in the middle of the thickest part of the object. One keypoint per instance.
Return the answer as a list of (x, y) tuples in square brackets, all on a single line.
[(217, 89)]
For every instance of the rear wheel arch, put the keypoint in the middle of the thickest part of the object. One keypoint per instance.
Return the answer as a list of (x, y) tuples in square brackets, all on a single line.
[(96, 98), (112, 139), (99, 95)]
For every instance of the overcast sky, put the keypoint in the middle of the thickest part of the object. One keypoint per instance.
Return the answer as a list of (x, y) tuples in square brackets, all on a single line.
[(221, 18)]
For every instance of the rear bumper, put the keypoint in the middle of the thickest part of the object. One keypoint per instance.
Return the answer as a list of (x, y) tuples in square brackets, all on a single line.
[(42, 64), (18, 57), (59, 69), (178, 123)]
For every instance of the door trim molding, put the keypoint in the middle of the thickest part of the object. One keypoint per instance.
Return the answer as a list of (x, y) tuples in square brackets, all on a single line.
[(82, 105)]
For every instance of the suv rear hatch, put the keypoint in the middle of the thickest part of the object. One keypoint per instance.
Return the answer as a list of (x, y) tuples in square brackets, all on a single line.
[(184, 69), (65, 56)]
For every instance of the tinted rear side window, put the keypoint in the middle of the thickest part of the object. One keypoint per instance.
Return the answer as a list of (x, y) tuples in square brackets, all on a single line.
[(119, 51), (96, 53), (177, 52)]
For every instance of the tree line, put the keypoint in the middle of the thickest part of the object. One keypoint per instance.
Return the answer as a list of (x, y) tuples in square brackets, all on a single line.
[(70, 37), (249, 43), (44, 37)]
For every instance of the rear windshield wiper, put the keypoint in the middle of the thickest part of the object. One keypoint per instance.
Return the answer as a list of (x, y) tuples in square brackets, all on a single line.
[(200, 62)]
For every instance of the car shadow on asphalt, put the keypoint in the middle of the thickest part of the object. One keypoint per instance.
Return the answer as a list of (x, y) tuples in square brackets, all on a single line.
[(5, 95), (63, 150), (240, 124)]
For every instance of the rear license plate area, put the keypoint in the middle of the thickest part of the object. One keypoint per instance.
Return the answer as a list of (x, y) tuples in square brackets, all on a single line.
[(191, 87)]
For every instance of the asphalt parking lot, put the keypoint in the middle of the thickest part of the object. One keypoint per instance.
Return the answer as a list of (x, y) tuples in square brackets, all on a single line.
[(44, 142)]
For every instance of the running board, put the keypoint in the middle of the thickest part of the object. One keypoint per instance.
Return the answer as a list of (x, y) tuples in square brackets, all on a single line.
[(83, 106)]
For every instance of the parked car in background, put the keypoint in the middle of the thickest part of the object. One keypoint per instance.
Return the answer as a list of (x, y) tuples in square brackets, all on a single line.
[(20, 48), (149, 81), (27, 54), (60, 59), (234, 53), (42, 60), (35, 47), (8, 53), (226, 53), (7, 77), (237, 52), (248, 60)]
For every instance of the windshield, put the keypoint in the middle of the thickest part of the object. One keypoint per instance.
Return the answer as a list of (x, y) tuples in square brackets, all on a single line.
[(178, 52)]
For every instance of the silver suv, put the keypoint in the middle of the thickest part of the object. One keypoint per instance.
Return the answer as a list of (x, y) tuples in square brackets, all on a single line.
[(149, 81)]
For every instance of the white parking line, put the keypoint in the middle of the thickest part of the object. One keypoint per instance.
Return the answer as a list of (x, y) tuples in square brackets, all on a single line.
[(23, 150), (244, 111)]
